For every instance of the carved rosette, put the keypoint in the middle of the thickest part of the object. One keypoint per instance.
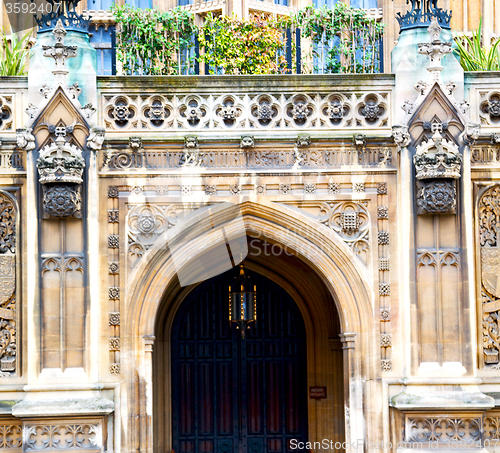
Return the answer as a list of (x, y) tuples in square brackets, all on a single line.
[(437, 163), (7, 286), (489, 243), (60, 168)]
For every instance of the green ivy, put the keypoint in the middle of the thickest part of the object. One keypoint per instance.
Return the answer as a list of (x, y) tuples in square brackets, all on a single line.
[(153, 42), (150, 41), (234, 46), (350, 36)]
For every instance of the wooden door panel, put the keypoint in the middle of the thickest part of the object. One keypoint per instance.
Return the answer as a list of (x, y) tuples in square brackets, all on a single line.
[(238, 396)]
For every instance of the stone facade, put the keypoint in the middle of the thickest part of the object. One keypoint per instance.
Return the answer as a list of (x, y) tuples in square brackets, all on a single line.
[(389, 220)]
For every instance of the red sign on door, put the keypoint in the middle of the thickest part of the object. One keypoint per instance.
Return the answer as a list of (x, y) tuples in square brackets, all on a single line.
[(317, 393)]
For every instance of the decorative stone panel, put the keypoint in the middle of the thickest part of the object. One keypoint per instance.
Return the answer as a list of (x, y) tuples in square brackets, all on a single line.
[(8, 283), (63, 436)]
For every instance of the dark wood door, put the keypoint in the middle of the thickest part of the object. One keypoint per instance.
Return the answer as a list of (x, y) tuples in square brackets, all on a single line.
[(234, 395)]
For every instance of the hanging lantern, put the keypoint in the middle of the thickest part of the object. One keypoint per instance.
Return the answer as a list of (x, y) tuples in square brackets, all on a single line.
[(242, 301)]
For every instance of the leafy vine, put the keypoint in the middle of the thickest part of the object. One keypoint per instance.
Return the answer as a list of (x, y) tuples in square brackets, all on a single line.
[(153, 42)]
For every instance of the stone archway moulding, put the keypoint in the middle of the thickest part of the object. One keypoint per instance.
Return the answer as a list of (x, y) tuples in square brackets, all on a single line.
[(321, 249)]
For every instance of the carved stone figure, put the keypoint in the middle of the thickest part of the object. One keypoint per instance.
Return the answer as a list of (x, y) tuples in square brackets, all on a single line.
[(25, 139), (96, 138), (401, 136), (247, 141)]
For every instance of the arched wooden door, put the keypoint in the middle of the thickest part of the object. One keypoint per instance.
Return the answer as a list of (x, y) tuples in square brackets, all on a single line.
[(234, 395)]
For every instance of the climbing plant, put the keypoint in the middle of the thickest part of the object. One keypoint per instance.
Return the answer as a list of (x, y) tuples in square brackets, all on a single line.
[(154, 42), (347, 38), (235, 46), (150, 41)]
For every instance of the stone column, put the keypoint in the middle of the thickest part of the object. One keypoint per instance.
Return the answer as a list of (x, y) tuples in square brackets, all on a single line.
[(353, 394)]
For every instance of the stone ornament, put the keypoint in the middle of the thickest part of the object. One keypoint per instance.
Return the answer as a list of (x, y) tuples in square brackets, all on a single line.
[(60, 53), (382, 188), (25, 139), (210, 190), (285, 189), (383, 238), (114, 319), (114, 369), (113, 192), (113, 267), (62, 200), (114, 293), (358, 187), (235, 189), (383, 264), (385, 340), (114, 344), (384, 289), (382, 212), (436, 197), (385, 314), (436, 49), (309, 188), (303, 140), (113, 216), (113, 241), (386, 365), (333, 188)]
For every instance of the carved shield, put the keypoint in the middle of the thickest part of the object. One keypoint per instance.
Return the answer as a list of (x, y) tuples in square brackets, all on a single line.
[(7, 277), (490, 270)]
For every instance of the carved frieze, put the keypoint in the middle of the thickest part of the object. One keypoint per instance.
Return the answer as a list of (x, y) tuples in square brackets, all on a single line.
[(489, 245)]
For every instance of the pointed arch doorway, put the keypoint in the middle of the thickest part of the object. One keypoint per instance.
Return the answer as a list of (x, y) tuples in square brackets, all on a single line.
[(235, 395)]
